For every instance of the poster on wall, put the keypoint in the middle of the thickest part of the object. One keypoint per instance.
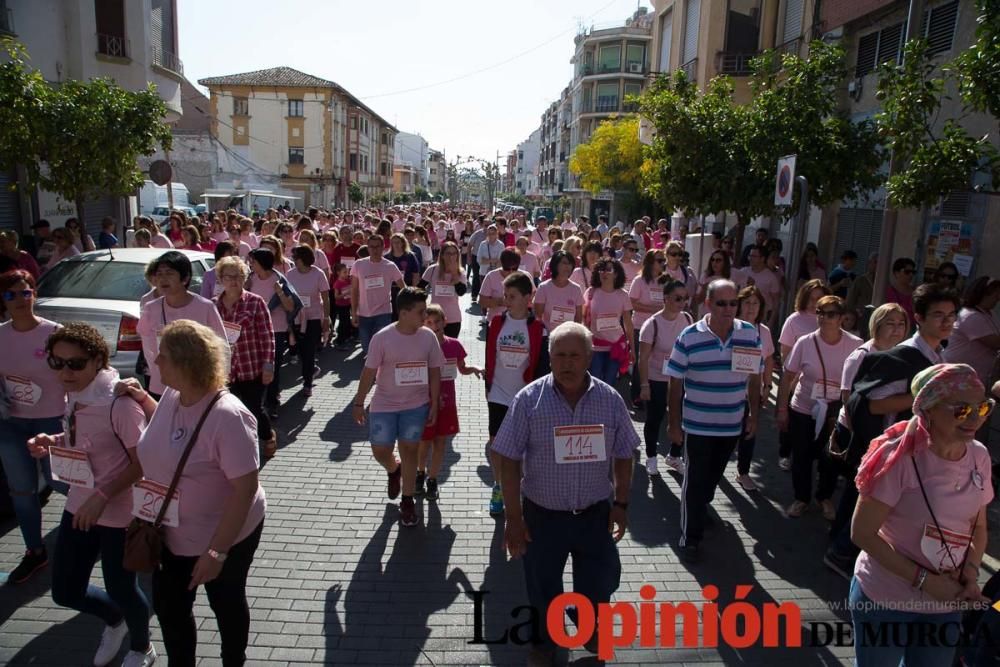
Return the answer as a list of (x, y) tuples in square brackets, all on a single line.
[(54, 208), (949, 241)]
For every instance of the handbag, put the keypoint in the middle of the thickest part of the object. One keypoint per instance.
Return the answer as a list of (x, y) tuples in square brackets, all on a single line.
[(144, 540)]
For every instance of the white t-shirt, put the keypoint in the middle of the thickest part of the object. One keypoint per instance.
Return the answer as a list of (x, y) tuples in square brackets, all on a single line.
[(512, 360)]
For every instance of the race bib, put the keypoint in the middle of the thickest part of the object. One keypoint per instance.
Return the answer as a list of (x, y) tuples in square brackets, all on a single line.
[(411, 374), (22, 390), (147, 499), (746, 360), (306, 301), (450, 370), (347, 261), (444, 289), (233, 332), (607, 323), (71, 466), (562, 314), (512, 357), (656, 296), (579, 444), (936, 546), (825, 391), (375, 282)]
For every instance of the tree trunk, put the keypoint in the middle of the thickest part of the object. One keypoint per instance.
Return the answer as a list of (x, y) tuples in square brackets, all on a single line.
[(738, 239), (80, 218)]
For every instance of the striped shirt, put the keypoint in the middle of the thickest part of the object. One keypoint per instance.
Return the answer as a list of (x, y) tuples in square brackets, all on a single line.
[(714, 395)]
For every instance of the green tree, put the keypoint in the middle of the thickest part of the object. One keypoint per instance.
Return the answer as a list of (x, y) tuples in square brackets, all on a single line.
[(355, 193), (80, 140), (421, 194), (979, 65)]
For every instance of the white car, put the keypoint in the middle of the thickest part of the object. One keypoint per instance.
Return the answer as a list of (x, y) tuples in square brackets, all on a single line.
[(161, 213)]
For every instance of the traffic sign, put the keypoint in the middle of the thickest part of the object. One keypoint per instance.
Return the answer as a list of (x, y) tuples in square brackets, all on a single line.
[(160, 172), (783, 182)]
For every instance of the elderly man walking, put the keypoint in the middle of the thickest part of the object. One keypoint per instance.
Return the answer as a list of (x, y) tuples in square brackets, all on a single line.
[(711, 402), (566, 469)]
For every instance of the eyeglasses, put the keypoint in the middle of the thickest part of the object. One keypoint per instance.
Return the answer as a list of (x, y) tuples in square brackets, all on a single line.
[(75, 364), (679, 298), (727, 304), (10, 295), (829, 313), (949, 276), (661, 260), (963, 411), (675, 254), (606, 269)]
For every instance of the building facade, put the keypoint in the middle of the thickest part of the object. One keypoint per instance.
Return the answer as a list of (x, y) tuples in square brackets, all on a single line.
[(526, 169), (437, 173), (309, 133), (412, 151), (84, 40)]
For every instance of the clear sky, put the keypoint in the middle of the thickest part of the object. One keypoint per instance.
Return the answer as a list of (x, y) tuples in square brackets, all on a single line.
[(437, 50)]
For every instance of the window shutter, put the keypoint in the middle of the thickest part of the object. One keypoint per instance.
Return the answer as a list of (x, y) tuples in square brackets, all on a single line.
[(793, 21), (939, 27), (867, 51), (890, 39), (666, 39), (860, 230), (692, 15)]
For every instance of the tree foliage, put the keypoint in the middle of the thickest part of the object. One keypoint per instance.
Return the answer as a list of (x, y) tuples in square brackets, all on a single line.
[(80, 140), (355, 193), (611, 159), (979, 65)]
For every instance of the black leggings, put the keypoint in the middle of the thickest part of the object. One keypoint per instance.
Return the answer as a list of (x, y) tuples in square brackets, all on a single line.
[(251, 392), (656, 410), (307, 344)]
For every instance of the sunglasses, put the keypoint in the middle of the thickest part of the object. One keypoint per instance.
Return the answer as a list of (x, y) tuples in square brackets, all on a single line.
[(76, 364), (963, 411), (675, 254), (949, 276), (829, 313), (661, 260), (730, 304), (10, 295)]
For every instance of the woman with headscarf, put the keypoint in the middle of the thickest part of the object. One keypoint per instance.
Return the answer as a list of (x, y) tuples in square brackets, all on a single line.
[(920, 522)]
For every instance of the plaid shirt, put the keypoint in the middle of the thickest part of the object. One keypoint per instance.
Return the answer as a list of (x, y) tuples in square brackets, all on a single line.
[(526, 435), (255, 346)]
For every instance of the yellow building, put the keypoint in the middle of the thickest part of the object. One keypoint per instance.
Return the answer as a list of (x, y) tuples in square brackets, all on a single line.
[(308, 132)]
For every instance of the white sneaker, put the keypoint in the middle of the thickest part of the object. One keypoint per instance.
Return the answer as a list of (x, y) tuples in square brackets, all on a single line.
[(111, 643), (651, 467), (785, 463), (745, 482), (676, 463), (140, 659)]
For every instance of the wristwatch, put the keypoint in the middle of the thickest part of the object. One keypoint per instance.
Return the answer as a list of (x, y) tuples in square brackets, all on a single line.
[(219, 556)]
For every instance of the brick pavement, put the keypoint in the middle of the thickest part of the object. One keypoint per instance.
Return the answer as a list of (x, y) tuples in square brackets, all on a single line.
[(336, 580)]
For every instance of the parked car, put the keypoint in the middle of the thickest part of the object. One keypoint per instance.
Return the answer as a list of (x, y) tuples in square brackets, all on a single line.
[(103, 288), (547, 211), (161, 213)]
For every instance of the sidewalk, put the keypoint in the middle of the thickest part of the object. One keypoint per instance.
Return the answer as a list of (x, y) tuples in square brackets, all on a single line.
[(337, 581)]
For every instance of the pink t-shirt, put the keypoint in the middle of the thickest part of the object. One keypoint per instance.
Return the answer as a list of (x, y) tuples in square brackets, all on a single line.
[(264, 288), (453, 352), (797, 325), (530, 264), (581, 277), (804, 361), (157, 314), (647, 294), (964, 346), (665, 332), (605, 312), (769, 284), (226, 449), (560, 302), (96, 429), (375, 285), (492, 288), (956, 490), (161, 241), (442, 290), (310, 286), (632, 269), (401, 383), (34, 389)]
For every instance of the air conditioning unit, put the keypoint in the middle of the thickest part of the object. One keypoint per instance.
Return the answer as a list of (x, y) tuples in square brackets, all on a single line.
[(635, 68), (855, 88)]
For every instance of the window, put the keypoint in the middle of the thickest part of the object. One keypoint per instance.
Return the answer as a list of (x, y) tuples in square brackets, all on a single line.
[(938, 27), (162, 36), (878, 47), (365, 122), (353, 162), (791, 26), (666, 38), (607, 97), (109, 16), (632, 89), (743, 26), (385, 139), (610, 58), (383, 170), (692, 18), (296, 156), (635, 57), (354, 122), (295, 108), (364, 163), (241, 106)]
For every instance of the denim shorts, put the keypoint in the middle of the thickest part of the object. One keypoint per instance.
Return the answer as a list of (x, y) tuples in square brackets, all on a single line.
[(385, 428)]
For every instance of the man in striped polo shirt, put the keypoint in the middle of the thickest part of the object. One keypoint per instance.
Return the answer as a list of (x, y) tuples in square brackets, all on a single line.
[(709, 369)]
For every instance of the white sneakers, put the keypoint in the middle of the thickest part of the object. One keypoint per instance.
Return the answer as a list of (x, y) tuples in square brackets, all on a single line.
[(651, 467), (140, 659), (785, 463), (676, 463), (746, 483), (111, 643)]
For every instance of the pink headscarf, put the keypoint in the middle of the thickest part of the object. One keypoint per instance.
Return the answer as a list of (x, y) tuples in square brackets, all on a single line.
[(929, 387)]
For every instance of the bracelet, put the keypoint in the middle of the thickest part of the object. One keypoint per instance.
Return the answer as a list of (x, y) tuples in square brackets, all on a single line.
[(922, 579)]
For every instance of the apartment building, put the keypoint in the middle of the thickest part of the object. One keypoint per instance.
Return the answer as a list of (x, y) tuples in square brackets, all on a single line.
[(82, 40), (437, 173), (526, 168), (412, 151), (310, 132)]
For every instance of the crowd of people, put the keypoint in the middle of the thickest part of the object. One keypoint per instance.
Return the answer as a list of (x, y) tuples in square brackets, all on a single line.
[(587, 327)]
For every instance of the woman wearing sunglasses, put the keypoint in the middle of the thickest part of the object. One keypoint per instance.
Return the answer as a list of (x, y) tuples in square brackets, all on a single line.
[(814, 367), (900, 288), (584, 273), (719, 267), (646, 295), (33, 400), (921, 523), (608, 312), (93, 450), (675, 269), (751, 309)]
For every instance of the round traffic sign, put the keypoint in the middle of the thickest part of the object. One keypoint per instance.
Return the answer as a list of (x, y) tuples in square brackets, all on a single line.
[(784, 180), (160, 172)]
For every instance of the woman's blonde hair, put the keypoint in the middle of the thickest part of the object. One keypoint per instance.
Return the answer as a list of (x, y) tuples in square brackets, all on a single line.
[(308, 237), (197, 352), (882, 313), (232, 262)]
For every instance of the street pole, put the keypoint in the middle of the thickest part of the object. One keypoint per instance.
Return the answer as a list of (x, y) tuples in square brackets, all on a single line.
[(798, 242), (890, 215)]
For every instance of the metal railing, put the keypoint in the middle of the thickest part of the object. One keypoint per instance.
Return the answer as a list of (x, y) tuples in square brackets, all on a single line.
[(6, 20), (167, 60), (115, 46), (607, 104), (609, 69), (735, 64), (691, 69), (792, 46)]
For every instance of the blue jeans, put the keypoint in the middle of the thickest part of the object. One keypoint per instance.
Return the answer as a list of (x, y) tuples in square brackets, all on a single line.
[(75, 555), (22, 472), (900, 643), (369, 326), (603, 367)]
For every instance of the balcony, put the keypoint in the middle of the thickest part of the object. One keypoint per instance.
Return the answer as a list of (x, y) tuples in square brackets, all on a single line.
[(691, 69), (6, 21), (792, 47), (168, 61), (735, 64), (113, 46)]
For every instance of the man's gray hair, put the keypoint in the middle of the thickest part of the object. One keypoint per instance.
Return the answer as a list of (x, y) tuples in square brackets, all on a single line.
[(568, 329), (718, 284)]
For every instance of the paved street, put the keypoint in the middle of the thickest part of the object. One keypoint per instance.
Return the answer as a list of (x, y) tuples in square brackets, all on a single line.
[(337, 581)]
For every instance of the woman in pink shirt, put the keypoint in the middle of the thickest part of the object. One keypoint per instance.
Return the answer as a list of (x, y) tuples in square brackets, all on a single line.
[(646, 294), (445, 281), (975, 340), (94, 452), (36, 399), (313, 324), (559, 300), (214, 521), (583, 274), (607, 312), (751, 310), (921, 522)]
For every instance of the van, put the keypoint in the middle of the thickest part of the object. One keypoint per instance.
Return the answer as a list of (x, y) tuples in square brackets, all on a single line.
[(153, 196), (547, 211)]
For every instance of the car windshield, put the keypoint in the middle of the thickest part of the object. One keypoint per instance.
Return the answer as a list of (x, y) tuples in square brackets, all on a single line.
[(120, 281)]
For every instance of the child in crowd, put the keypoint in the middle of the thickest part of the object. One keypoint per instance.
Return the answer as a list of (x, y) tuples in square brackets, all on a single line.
[(342, 304)]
